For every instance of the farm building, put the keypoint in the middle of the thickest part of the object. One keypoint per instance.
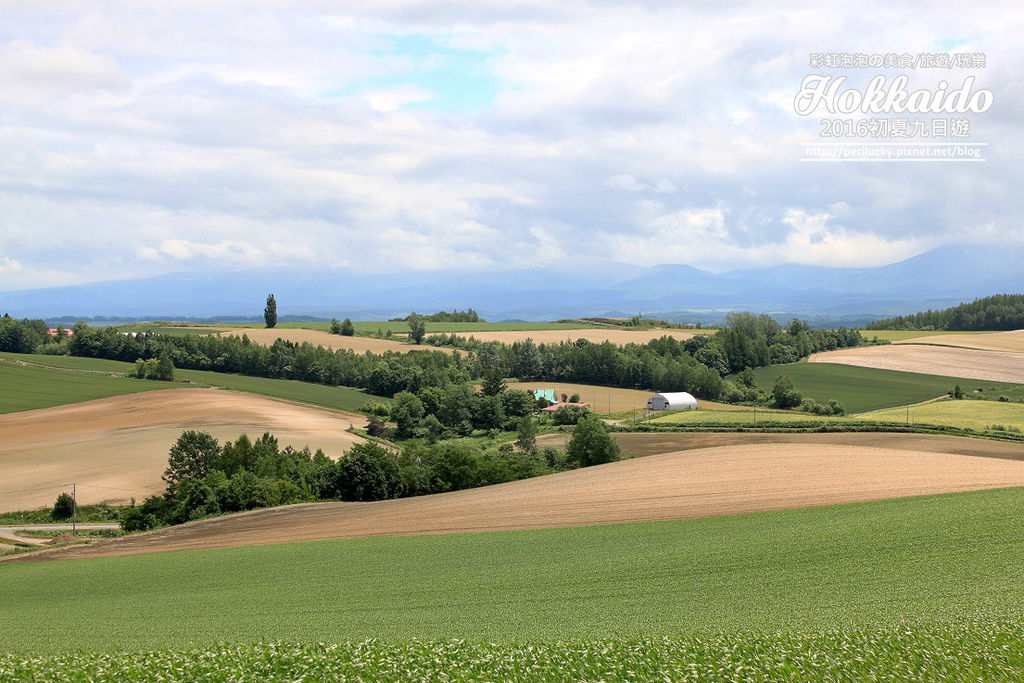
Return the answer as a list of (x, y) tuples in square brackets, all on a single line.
[(548, 394), (672, 401)]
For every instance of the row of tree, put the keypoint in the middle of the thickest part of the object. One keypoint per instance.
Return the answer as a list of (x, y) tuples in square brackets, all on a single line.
[(466, 316), (207, 478), (999, 312), (697, 365)]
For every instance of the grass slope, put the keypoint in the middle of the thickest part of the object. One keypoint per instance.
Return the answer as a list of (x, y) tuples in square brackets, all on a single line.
[(863, 389), (930, 560), (27, 387), (370, 326), (973, 414), (338, 398)]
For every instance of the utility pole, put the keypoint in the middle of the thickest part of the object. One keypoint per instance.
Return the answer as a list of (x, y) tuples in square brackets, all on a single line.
[(74, 509)]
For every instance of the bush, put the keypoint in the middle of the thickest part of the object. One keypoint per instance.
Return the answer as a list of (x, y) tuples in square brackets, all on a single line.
[(63, 507)]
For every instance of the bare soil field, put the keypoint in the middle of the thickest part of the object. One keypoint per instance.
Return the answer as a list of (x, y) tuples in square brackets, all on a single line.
[(265, 337), (694, 483), (639, 444), (990, 341), (995, 366), (116, 448), (594, 335)]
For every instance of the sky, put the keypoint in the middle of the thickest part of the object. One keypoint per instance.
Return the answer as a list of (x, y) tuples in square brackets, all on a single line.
[(144, 138)]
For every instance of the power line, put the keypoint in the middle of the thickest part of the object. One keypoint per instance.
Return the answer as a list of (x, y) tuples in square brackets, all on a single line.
[(53, 486)]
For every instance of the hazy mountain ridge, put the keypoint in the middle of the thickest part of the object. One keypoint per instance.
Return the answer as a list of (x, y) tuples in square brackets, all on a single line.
[(941, 277)]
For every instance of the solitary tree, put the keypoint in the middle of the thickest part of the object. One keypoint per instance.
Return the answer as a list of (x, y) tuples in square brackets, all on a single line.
[(270, 311), (527, 437), (165, 367), (347, 328), (335, 326), (417, 327), (63, 507), (591, 444), (784, 394)]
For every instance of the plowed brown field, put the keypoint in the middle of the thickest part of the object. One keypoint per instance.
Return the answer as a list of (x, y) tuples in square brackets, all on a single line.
[(116, 448), (993, 341), (995, 366), (266, 337), (693, 483)]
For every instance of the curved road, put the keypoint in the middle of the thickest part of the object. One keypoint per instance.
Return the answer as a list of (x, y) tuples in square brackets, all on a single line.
[(11, 532)]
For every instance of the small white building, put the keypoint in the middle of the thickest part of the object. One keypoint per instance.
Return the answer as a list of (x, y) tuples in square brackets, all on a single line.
[(679, 400)]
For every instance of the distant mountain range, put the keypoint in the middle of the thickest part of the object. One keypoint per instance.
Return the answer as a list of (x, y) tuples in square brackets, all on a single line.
[(937, 278)]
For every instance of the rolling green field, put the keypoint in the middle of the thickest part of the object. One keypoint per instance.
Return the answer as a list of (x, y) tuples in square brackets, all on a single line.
[(973, 414), (864, 389), (27, 387), (39, 378), (929, 562)]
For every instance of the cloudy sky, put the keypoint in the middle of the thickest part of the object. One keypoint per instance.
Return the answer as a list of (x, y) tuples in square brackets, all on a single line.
[(143, 138)]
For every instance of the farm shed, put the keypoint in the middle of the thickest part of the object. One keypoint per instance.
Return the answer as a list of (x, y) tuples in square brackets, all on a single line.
[(673, 401), (548, 394)]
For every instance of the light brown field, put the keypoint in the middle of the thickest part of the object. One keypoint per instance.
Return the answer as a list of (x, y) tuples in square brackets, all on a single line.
[(116, 448), (996, 366), (991, 341), (692, 483), (595, 335), (265, 337)]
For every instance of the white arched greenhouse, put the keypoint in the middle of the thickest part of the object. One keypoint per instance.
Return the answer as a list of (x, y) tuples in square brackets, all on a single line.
[(679, 400)]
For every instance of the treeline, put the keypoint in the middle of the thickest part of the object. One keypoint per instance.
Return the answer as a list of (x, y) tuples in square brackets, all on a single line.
[(466, 316), (698, 365), (999, 312), (207, 478), (26, 336)]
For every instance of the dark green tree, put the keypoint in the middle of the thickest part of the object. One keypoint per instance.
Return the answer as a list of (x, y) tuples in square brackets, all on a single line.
[(494, 383), (417, 327), (270, 311), (347, 328), (591, 444), (193, 456), (407, 411), (957, 392), (784, 394), (335, 326), (63, 507), (368, 472)]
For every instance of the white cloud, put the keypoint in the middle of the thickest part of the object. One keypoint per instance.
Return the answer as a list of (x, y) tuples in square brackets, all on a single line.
[(138, 142)]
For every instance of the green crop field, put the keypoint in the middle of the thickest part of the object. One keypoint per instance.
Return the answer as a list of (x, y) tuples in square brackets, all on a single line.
[(68, 362), (902, 335), (864, 389), (972, 414), (28, 387), (338, 398), (969, 651), (929, 561)]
